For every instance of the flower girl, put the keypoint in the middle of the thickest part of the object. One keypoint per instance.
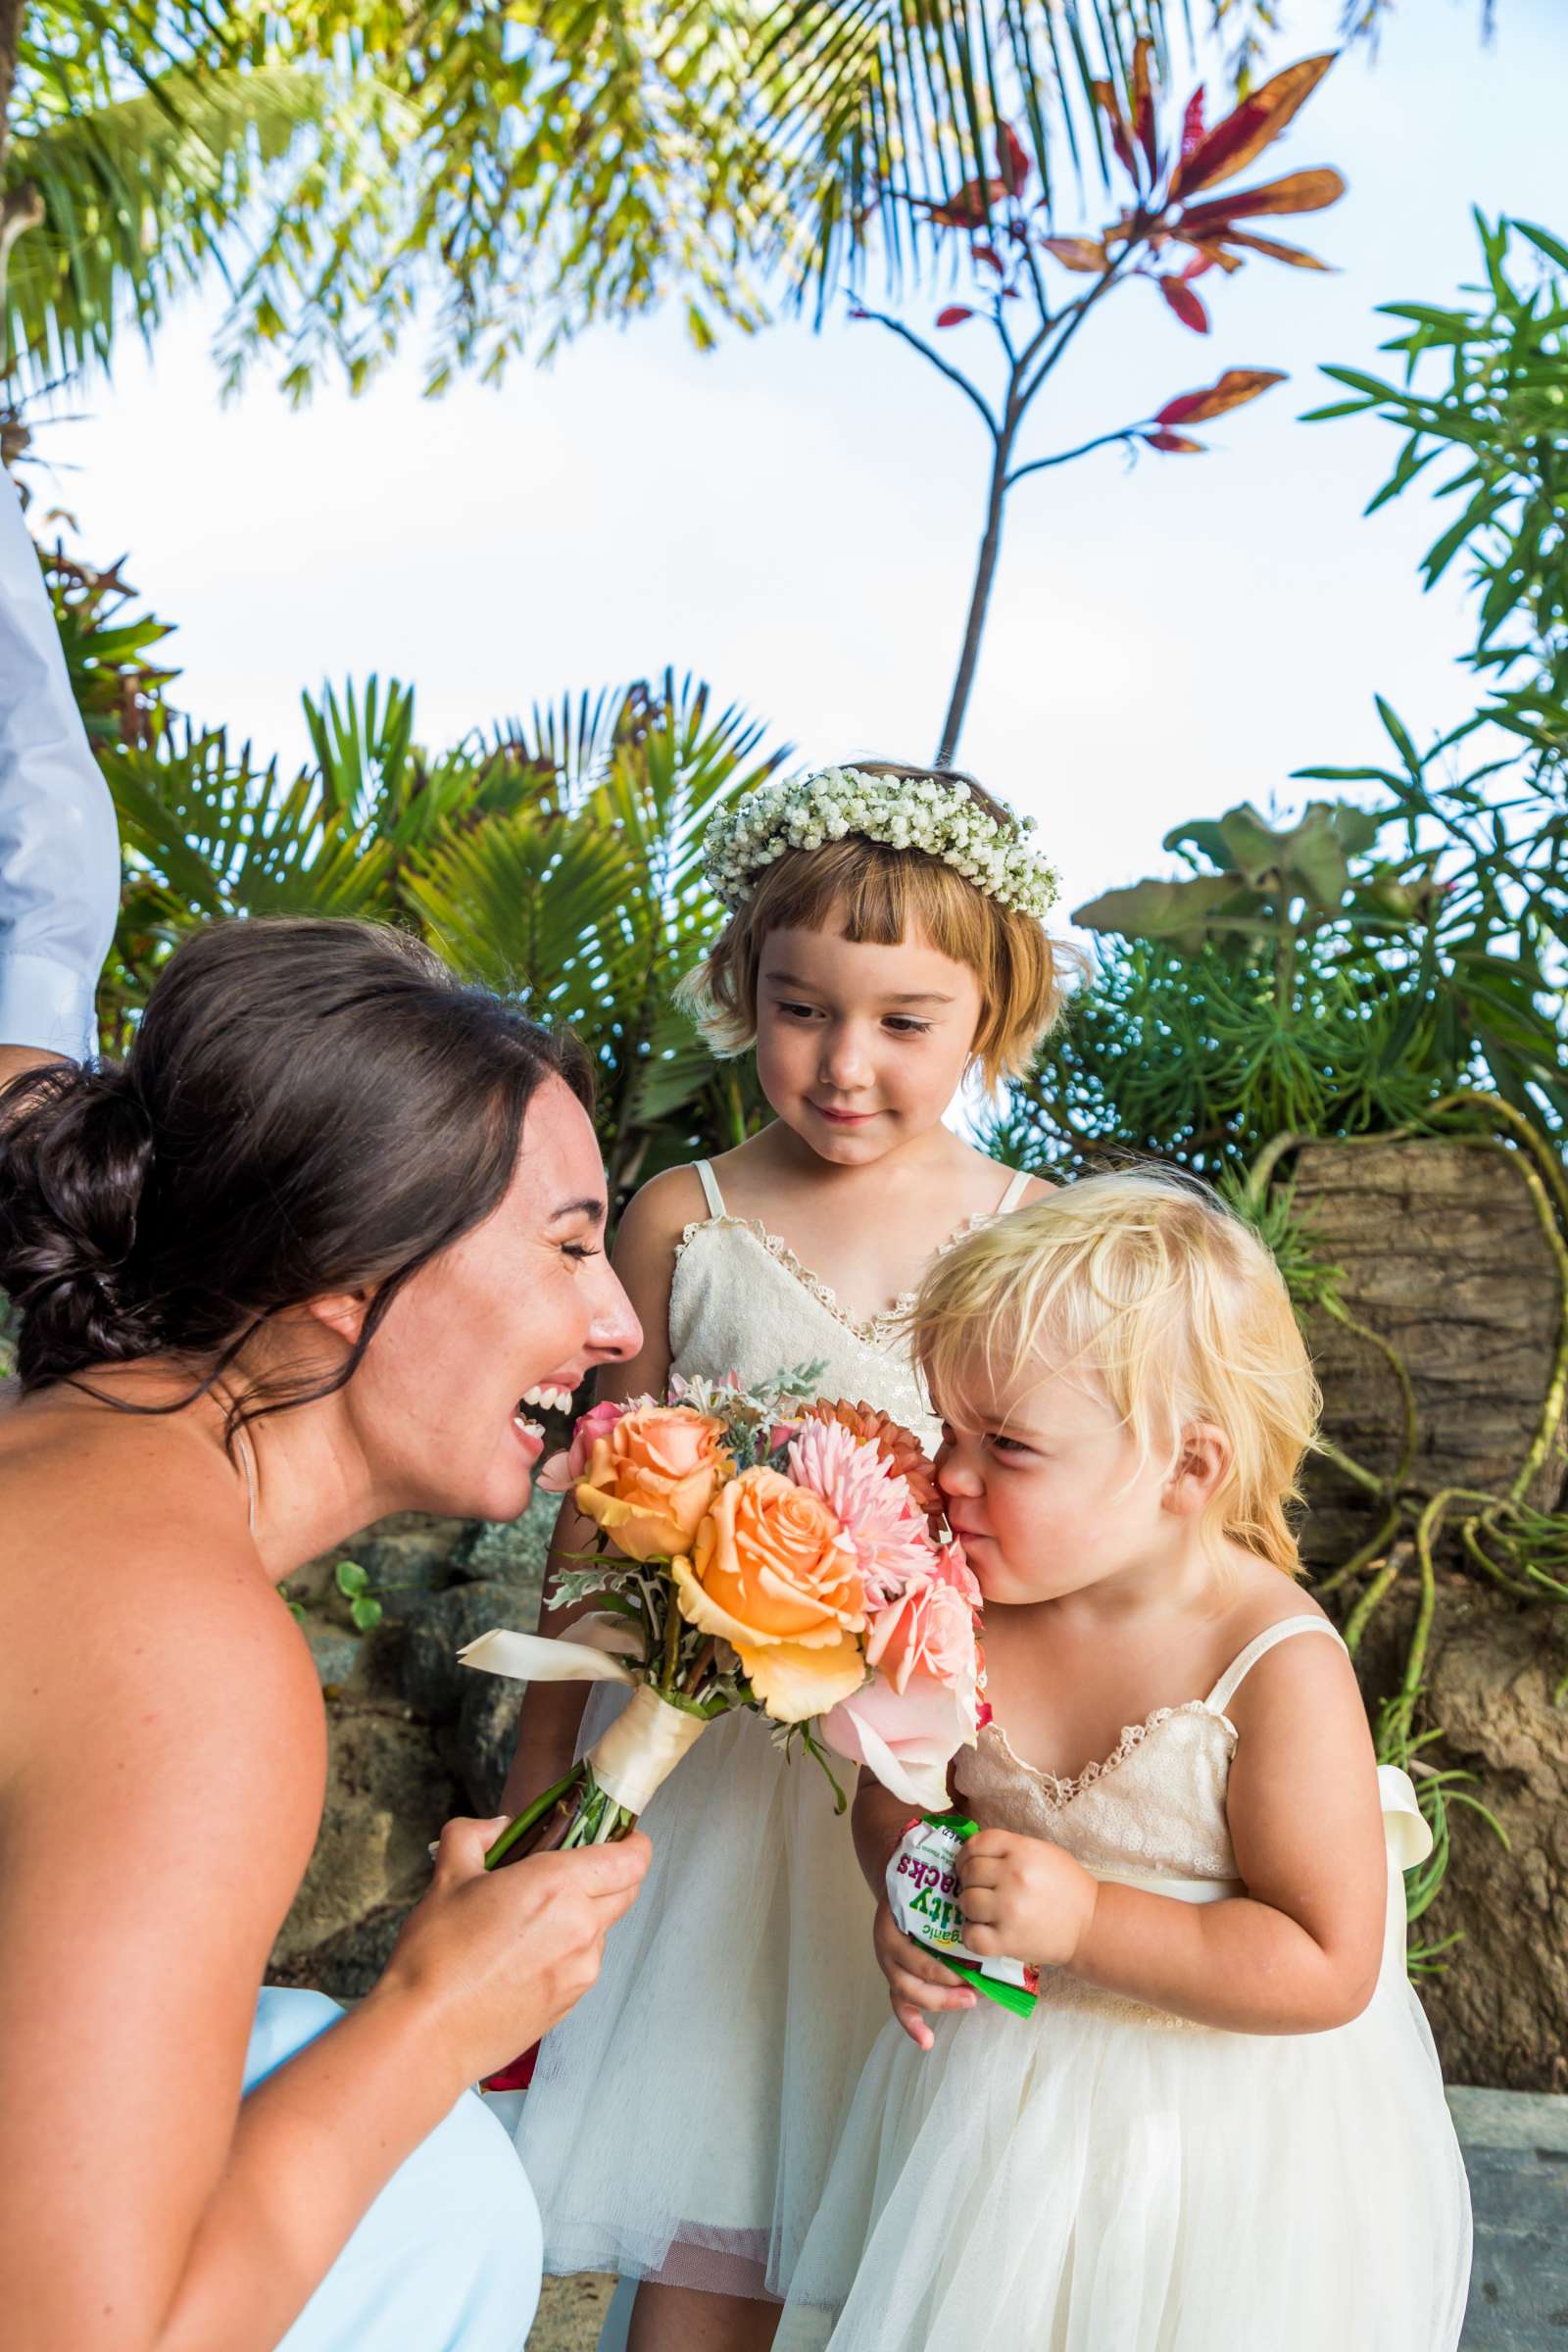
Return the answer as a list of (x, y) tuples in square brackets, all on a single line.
[(1222, 2128), (884, 938)]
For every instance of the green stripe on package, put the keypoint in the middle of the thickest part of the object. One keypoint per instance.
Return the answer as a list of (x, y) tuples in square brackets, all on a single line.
[(923, 1893)]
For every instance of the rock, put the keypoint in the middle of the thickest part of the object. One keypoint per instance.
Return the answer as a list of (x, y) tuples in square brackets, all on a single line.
[(387, 1794), (571, 2312), (1441, 1255), (487, 1738), (407, 1555), (336, 1654), (1500, 2009), (513, 1554), (436, 1629)]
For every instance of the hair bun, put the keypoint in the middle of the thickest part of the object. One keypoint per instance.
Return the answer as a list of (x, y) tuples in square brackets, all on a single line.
[(76, 1153)]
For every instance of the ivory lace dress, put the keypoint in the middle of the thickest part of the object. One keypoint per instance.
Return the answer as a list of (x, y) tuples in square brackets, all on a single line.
[(681, 2120), (1102, 2176)]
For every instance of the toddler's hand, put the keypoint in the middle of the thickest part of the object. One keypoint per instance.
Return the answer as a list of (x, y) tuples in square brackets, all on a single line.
[(915, 1979), (1023, 1897)]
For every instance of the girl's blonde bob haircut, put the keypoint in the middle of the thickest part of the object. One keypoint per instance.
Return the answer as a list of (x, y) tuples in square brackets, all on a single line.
[(878, 895), (1170, 1303)]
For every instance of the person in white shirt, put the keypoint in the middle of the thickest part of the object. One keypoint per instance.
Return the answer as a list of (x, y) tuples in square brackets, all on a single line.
[(58, 844)]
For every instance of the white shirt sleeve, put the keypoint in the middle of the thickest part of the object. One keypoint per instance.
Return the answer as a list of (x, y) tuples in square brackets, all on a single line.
[(58, 844)]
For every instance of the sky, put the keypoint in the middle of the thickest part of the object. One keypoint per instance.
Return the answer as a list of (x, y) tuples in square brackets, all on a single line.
[(794, 516)]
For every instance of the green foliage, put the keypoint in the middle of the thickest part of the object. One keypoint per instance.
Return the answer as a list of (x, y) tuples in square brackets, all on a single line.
[(1339, 975), (139, 194), (354, 1584), (558, 858), (1295, 982), (500, 178)]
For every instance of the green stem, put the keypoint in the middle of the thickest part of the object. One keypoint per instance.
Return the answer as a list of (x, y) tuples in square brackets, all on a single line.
[(524, 1821), (1364, 1558), (1355, 1624), (1342, 1315)]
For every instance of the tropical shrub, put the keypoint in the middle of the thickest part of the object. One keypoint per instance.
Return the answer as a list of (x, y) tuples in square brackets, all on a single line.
[(1340, 975), (558, 858)]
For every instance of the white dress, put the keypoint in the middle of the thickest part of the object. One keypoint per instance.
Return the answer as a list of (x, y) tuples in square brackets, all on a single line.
[(1102, 2176), (681, 2120)]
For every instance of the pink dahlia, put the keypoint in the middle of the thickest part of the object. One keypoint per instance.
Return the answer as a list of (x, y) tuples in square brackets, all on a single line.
[(873, 1506)]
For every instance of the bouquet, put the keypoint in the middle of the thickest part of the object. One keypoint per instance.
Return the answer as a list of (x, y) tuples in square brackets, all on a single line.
[(761, 1551)]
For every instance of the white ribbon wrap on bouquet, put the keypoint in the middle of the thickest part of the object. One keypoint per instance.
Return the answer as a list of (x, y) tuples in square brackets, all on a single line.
[(644, 1744), (642, 1747)]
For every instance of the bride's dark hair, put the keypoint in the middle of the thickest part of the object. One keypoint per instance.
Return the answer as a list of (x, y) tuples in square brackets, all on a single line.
[(307, 1106)]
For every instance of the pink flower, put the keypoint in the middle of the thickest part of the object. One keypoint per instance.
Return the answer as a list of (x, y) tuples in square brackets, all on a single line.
[(922, 1703), (928, 1633), (907, 1738), (560, 1473), (873, 1506)]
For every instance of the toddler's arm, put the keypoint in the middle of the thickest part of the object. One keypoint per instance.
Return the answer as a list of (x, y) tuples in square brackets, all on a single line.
[(644, 1257), (1299, 1951), (916, 1982)]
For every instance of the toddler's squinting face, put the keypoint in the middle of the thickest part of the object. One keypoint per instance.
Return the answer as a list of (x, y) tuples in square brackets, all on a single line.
[(858, 1047), (1047, 1492)]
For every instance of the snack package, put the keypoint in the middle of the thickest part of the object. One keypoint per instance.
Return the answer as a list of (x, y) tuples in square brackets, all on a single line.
[(923, 1892)]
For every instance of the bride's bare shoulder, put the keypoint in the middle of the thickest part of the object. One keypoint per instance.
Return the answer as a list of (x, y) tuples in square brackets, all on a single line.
[(133, 1593)]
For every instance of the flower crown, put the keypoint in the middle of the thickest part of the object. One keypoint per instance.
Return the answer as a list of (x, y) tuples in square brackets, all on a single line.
[(926, 813)]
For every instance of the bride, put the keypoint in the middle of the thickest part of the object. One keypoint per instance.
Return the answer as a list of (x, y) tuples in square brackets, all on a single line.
[(288, 1269)]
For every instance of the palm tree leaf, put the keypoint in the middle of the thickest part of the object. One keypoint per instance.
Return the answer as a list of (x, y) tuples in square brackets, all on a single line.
[(139, 194)]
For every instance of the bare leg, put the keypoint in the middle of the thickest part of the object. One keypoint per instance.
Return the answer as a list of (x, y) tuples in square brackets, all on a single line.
[(687, 2319)]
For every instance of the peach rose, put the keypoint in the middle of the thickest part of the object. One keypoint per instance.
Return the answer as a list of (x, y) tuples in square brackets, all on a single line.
[(772, 1574), (651, 1476)]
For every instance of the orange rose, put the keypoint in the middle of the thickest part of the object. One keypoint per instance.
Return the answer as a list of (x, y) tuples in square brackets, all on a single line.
[(650, 1478), (772, 1573)]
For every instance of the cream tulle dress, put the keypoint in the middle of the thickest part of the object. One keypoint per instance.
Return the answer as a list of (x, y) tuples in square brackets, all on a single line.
[(682, 2119), (1106, 2178)]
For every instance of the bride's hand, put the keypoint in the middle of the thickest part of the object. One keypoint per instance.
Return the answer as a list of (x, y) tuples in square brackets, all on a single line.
[(494, 1959)]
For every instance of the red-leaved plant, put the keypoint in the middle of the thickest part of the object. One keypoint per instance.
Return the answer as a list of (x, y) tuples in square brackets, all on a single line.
[(1173, 232)]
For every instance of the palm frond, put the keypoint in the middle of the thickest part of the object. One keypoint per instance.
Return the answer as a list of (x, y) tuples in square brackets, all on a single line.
[(140, 195)]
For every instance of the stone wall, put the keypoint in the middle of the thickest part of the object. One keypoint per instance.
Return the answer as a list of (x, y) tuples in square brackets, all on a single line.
[(1499, 2004), (413, 1738)]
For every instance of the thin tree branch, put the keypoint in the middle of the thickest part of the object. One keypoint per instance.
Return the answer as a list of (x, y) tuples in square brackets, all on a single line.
[(1128, 432), (896, 327), (1000, 322), (1070, 321)]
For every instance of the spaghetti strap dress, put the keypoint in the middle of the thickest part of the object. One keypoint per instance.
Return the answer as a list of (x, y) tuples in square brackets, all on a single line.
[(1103, 2176), (681, 2120)]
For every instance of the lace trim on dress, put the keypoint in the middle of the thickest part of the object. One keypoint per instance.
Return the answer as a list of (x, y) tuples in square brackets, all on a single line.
[(822, 1292), (1060, 1791)]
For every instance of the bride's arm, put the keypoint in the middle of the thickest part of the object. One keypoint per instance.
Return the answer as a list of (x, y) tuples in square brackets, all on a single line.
[(161, 1775), (644, 1257)]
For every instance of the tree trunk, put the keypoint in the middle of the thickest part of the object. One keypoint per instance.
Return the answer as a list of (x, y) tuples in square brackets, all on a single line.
[(979, 598), (1443, 1258)]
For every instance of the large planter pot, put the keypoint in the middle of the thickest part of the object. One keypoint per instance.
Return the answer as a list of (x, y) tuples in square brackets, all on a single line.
[(1442, 1256)]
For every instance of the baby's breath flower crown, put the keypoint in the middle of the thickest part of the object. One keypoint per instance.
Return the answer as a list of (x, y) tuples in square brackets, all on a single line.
[(929, 812)]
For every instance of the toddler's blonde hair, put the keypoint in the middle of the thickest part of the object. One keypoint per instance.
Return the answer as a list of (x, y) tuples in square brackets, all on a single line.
[(1174, 1307), (879, 894)]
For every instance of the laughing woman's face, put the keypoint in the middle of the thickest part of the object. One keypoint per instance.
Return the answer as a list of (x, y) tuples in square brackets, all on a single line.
[(445, 1404)]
